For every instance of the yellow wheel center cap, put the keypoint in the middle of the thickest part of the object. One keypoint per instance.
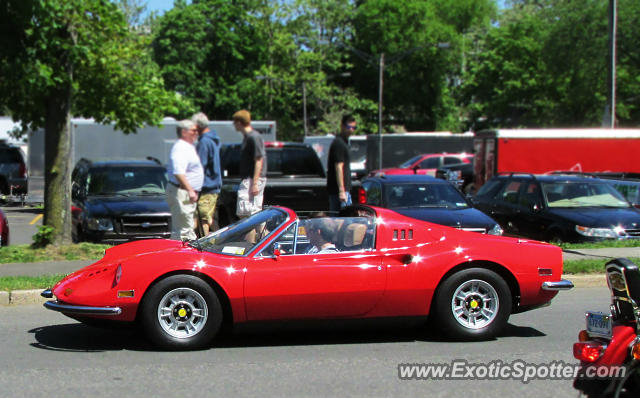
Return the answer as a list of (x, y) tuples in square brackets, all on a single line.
[(474, 304), (182, 312)]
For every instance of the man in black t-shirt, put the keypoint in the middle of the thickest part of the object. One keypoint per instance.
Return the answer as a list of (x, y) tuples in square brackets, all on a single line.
[(253, 166), (339, 166)]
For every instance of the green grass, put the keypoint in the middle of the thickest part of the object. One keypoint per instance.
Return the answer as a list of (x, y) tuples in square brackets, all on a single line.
[(8, 283), (27, 254), (588, 266), (602, 244)]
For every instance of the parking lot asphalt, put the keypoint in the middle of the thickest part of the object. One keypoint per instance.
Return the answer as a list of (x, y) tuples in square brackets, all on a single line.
[(65, 267)]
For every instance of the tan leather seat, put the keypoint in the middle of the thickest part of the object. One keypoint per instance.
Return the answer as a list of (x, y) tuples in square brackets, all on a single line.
[(354, 235)]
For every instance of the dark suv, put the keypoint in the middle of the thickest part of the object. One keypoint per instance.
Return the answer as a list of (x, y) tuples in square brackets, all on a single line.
[(117, 201), (13, 170), (558, 207)]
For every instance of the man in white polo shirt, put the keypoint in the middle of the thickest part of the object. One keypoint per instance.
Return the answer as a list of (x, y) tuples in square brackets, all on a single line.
[(185, 181)]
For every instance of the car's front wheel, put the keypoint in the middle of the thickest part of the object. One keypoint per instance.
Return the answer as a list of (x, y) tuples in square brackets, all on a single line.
[(181, 312), (472, 304)]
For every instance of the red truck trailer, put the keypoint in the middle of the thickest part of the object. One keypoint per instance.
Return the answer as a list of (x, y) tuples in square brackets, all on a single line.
[(540, 151)]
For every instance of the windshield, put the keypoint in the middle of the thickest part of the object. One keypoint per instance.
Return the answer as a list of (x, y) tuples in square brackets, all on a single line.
[(240, 238), (425, 195), (409, 162), (582, 194), (126, 180)]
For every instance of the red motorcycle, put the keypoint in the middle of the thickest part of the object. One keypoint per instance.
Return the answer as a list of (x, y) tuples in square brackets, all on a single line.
[(609, 347)]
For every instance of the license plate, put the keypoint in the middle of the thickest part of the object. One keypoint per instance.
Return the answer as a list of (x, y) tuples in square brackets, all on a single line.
[(599, 324)]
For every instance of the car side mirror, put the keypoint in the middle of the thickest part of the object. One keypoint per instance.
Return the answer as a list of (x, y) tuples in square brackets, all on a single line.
[(415, 169), (277, 251)]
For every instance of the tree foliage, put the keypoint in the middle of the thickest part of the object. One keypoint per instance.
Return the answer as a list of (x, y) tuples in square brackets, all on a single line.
[(59, 57), (546, 64)]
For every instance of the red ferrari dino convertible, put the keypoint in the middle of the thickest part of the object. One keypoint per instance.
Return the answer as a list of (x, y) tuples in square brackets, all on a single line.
[(269, 267)]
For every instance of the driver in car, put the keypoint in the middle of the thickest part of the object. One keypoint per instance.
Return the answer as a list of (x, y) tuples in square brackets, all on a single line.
[(321, 233)]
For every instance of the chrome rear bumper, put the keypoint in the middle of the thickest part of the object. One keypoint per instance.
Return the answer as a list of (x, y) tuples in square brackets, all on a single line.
[(562, 284)]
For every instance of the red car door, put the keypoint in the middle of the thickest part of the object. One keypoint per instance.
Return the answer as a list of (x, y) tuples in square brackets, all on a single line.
[(302, 286)]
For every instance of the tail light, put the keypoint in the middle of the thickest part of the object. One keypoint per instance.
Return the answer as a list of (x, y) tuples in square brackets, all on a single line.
[(362, 196), (583, 336), (588, 351), (635, 351), (22, 171)]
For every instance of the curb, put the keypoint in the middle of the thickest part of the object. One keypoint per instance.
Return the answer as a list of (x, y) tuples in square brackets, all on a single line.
[(21, 297), (587, 280)]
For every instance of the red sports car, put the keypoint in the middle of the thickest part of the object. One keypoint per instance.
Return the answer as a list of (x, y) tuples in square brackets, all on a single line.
[(268, 267), (427, 163)]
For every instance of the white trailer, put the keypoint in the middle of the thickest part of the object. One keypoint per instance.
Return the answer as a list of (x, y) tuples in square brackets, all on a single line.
[(94, 141)]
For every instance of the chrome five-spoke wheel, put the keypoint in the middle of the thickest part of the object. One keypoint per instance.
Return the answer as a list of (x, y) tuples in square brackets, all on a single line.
[(182, 313), (472, 304), (475, 304)]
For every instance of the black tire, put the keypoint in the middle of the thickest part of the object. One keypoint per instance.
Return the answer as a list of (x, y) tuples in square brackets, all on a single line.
[(555, 237), (192, 321), (491, 317), (4, 187), (76, 235)]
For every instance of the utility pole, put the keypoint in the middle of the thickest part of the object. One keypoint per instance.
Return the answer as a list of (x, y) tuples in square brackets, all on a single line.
[(380, 86), (304, 108)]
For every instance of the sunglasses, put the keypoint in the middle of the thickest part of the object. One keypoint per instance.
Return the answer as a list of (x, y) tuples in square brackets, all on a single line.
[(350, 127)]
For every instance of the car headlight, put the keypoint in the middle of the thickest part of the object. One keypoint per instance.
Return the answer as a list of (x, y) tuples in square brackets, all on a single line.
[(612, 233), (496, 230), (99, 224)]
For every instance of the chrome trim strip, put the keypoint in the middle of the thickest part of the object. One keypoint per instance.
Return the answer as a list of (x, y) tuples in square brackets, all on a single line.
[(47, 293), (562, 284), (76, 309)]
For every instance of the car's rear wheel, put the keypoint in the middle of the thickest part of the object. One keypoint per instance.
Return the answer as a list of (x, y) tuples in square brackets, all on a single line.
[(181, 312), (555, 237), (473, 304)]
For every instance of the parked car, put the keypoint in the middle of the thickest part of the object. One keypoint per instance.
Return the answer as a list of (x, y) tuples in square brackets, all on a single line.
[(427, 163), (13, 170), (257, 269), (117, 201), (4, 229), (558, 208), (426, 198)]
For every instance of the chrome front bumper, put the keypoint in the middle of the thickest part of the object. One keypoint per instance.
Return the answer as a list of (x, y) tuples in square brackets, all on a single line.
[(77, 309), (562, 284)]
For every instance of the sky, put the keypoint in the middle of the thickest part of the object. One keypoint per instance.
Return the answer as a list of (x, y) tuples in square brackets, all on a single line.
[(159, 5)]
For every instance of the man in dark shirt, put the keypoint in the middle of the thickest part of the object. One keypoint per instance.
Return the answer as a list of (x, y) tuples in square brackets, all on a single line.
[(253, 166), (209, 151), (339, 166)]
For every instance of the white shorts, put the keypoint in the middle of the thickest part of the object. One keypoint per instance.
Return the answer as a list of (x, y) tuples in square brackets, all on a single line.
[(248, 204)]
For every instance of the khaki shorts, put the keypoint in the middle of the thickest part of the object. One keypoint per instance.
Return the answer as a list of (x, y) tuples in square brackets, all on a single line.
[(206, 207)]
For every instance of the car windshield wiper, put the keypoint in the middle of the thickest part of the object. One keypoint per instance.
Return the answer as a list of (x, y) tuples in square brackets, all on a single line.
[(194, 243), (110, 194), (148, 193)]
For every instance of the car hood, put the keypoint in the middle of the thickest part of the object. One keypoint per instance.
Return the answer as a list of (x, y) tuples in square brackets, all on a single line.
[(461, 218), (115, 206), (598, 217)]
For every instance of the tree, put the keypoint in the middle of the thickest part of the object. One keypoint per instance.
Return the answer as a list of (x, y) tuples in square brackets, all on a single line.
[(59, 57), (546, 64), (418, 74)]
